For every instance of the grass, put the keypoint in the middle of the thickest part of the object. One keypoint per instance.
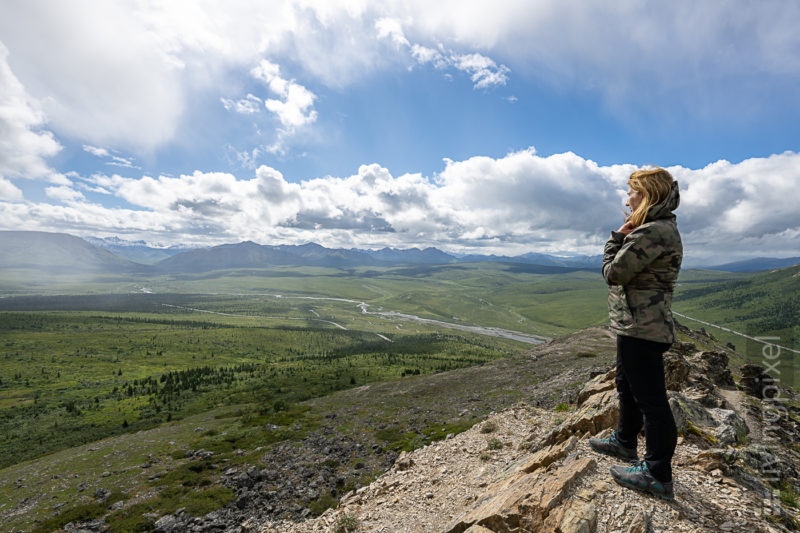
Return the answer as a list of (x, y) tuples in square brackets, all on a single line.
[(562, 407), (67, 479), (67, 378), (194, 502), (136, 374), (82, 512)]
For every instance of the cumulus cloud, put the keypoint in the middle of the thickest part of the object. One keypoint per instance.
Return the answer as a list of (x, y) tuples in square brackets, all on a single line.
[(24, 145), (393, 29), (748, 202), (688, 53), (64, 194), (99, 72), (8, 191), (295, 100), (513, 204), (121, 73)]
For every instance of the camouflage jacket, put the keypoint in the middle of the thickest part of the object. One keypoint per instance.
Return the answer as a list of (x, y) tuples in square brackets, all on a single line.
[(641, 269)]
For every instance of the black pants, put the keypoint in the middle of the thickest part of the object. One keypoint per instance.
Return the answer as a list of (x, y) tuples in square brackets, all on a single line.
[(643, 402)]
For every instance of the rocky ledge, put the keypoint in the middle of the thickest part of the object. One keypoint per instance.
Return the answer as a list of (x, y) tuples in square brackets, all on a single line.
[(528, 469)]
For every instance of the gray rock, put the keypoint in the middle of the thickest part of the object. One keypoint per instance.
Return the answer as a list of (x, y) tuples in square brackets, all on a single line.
[(685, 410), (754, 379), (731, 428), (88, 526), (759, 458), (715, 365), (243, 480), (168, 524)]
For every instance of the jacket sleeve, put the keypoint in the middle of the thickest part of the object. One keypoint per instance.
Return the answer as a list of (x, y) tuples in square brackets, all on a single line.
[(624, 257)]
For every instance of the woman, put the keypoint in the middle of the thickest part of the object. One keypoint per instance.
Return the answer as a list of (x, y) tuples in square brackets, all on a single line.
[(640, 264)]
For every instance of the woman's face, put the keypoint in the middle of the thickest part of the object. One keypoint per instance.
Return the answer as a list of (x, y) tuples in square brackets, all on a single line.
[(634, 199)]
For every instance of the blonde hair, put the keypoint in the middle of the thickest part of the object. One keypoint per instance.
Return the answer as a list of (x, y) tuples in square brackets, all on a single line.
[(654, 185)]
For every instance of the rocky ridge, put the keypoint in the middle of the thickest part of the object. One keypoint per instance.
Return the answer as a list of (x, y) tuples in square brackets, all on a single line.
[(528, 469)]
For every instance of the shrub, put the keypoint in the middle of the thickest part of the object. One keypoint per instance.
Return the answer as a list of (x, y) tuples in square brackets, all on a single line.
[(323, 503), (495, 444), (561, 407), (488, 427), (788, 495), (346, 524)]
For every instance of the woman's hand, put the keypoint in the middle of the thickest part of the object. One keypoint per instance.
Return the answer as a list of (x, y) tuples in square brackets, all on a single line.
[(626, 228)]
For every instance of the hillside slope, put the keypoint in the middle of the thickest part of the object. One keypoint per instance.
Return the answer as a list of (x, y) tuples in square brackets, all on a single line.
[(765, 303), (528, 469), (351, 453), (58, 253)]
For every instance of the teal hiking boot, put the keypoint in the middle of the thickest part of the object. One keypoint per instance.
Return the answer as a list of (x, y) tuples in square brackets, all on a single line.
[(611, 446), (639, 477)]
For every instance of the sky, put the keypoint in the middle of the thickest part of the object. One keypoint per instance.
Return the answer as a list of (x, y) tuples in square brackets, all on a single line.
[(476, 127)]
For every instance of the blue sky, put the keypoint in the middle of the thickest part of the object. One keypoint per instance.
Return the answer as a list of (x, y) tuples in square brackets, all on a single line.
[(502, 128)]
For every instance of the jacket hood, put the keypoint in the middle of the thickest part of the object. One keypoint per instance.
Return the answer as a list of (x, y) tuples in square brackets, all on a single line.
[(665, 207)]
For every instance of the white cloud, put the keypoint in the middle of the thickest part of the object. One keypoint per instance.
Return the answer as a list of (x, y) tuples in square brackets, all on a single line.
[(8, 191), (113, 159), (24, 146), (64, 194), (392, 28), (514, 204), (245, 106), (96, 150), (295, 107), (121, 73), (99, 72), (424, 55), (484, 72)]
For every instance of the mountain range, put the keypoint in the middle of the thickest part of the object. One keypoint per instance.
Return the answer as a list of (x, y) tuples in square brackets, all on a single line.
[(57, 252), (61, 252)]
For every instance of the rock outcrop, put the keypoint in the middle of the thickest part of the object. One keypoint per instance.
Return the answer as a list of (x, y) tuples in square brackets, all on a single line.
[(735, 468)]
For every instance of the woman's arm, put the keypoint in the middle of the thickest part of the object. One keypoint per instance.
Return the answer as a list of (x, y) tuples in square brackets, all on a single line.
[(627, 255)]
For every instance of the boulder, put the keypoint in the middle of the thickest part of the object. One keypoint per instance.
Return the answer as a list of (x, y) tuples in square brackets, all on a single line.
[(714, 365), (731, 428), (597, 413), (600, 383), (168, 523), (754, 379), (686, 411), (523, 500), (676, 370), (577, 516)]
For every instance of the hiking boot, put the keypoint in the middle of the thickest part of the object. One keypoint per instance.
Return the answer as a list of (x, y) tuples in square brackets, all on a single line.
[(639, 477), (611, 446)]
